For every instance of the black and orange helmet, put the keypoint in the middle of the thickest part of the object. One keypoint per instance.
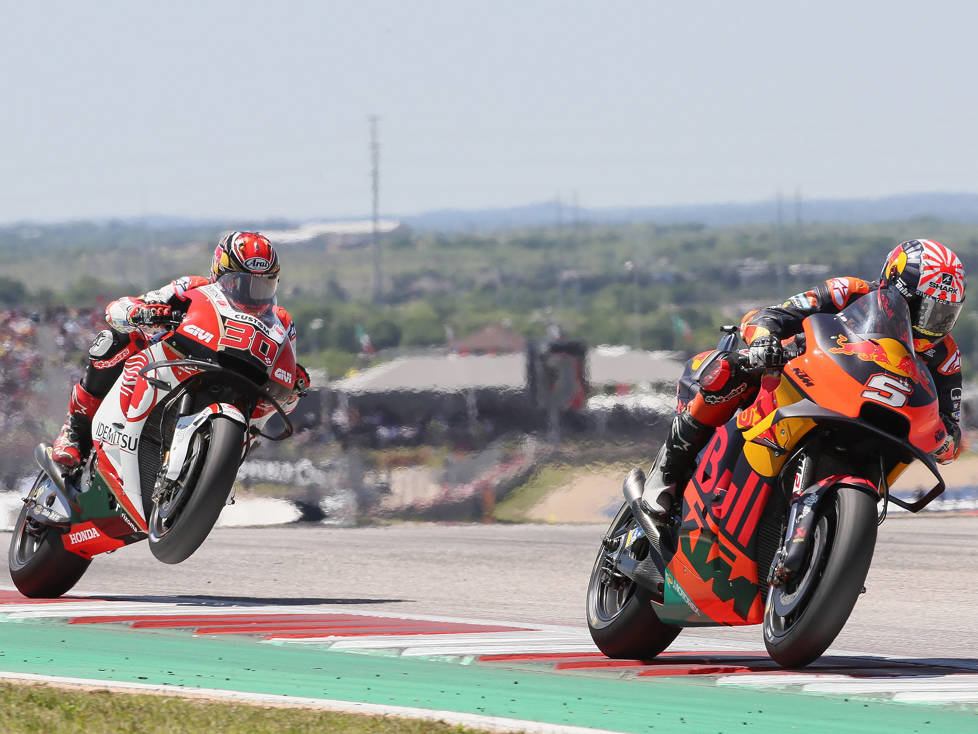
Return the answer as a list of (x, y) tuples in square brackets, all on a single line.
[(931, 279)]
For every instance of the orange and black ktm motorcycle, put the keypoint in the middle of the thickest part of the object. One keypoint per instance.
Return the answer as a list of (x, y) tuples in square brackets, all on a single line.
[(778, 523)]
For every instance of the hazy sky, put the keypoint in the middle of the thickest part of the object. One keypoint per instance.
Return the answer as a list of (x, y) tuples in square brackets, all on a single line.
[(255, 109)]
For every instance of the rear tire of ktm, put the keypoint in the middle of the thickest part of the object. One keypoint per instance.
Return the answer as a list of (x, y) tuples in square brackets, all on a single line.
[(622, 622), (840, 572), (209, 496), (40, 567)]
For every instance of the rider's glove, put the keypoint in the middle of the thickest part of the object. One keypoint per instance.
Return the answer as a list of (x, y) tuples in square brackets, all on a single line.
[(951, 446), (766, 351), (302, 380), (299, 388), (149, 314)]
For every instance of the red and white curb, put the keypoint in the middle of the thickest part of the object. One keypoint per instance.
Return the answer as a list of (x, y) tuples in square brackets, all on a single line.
[(558, 649)]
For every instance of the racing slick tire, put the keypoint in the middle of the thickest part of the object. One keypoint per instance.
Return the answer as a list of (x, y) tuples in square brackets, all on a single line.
[(40, 567), (802, 618), (620, 616), (180, 522)]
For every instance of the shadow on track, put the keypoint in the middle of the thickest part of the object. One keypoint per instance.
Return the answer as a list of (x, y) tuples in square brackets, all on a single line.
[(677, 663), (221, 601)]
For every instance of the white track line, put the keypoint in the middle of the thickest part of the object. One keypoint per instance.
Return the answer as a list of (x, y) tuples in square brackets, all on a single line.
[(936, 697), (953, 682), (501, 638)]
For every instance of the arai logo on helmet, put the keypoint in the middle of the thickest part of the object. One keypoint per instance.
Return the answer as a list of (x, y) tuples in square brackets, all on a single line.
[(259, 264)]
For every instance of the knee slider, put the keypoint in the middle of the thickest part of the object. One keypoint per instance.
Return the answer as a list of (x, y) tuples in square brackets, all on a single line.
[(103, 344)]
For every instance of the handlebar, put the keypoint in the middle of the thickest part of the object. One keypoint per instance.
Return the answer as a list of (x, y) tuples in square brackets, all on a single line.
[(148, 318)]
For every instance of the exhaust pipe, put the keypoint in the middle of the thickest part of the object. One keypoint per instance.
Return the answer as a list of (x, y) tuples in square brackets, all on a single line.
[(633, 488), (45, 513)]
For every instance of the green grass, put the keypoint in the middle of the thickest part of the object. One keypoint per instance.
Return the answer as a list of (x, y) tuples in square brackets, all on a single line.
[(546, 479), (40, 708)]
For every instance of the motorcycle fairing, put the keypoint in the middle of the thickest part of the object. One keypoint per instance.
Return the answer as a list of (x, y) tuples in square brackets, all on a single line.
[(770, 437), (869, 357), (712, 577), (259, 339), (102, 517), (112, 502)]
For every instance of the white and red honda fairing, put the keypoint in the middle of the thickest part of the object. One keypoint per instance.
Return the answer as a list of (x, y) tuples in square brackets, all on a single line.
[(168, 438)]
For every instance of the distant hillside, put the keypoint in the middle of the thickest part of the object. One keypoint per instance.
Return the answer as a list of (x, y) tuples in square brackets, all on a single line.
[(961, 208), (954, 207)]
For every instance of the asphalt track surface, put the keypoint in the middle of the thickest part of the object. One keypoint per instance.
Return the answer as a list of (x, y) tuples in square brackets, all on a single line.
[(921, 600), (483, 625)]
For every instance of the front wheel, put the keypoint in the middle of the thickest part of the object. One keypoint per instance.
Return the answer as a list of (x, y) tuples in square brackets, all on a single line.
[(620, 616), (40, 567), (804, 616), (182, 514)]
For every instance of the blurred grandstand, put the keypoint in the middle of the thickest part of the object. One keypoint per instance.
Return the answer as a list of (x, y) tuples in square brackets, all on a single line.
[(41, 354)]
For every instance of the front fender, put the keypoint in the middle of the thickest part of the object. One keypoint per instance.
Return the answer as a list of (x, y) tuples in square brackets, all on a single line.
[(802, 518), (188, 425)]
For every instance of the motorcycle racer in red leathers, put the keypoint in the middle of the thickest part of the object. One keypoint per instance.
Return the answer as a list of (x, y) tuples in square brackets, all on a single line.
[(928, 275), (241, 252)]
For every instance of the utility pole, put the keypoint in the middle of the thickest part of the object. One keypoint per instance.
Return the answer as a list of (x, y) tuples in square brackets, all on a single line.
[(632, 270), (779, 244), (375, 186)]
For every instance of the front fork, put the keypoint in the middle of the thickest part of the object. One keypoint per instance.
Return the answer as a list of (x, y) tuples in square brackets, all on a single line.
[(791, 554), (805, 497), (175, 458)]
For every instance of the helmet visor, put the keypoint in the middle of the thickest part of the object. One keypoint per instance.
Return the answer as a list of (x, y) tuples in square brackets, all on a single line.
[(249, 292), (936, 318)]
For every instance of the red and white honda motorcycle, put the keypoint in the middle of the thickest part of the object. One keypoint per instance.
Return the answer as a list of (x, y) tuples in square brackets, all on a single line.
[(168, 440)]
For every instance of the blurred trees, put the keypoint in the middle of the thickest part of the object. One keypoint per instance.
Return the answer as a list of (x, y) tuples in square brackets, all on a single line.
[(683, 281)]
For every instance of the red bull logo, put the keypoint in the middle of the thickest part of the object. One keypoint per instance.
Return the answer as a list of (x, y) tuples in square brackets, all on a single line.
[(889, 354)]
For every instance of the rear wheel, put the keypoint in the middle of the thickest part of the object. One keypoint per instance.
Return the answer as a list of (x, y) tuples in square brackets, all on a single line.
[(183, 513), (620, 616), (804, 616), (40, 567)]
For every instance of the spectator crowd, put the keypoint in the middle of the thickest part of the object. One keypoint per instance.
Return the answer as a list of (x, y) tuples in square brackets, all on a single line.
[(41, 353)]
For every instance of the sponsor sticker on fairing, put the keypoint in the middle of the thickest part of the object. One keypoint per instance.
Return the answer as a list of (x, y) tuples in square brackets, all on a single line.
[(202, 334), (283, 375), (80, 536), (115, 437)]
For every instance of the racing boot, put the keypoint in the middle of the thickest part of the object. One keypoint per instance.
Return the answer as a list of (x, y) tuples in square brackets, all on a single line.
[(674, 464), (74, 443)]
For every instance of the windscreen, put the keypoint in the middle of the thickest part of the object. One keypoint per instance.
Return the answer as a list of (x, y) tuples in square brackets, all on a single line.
[(883, 313)]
